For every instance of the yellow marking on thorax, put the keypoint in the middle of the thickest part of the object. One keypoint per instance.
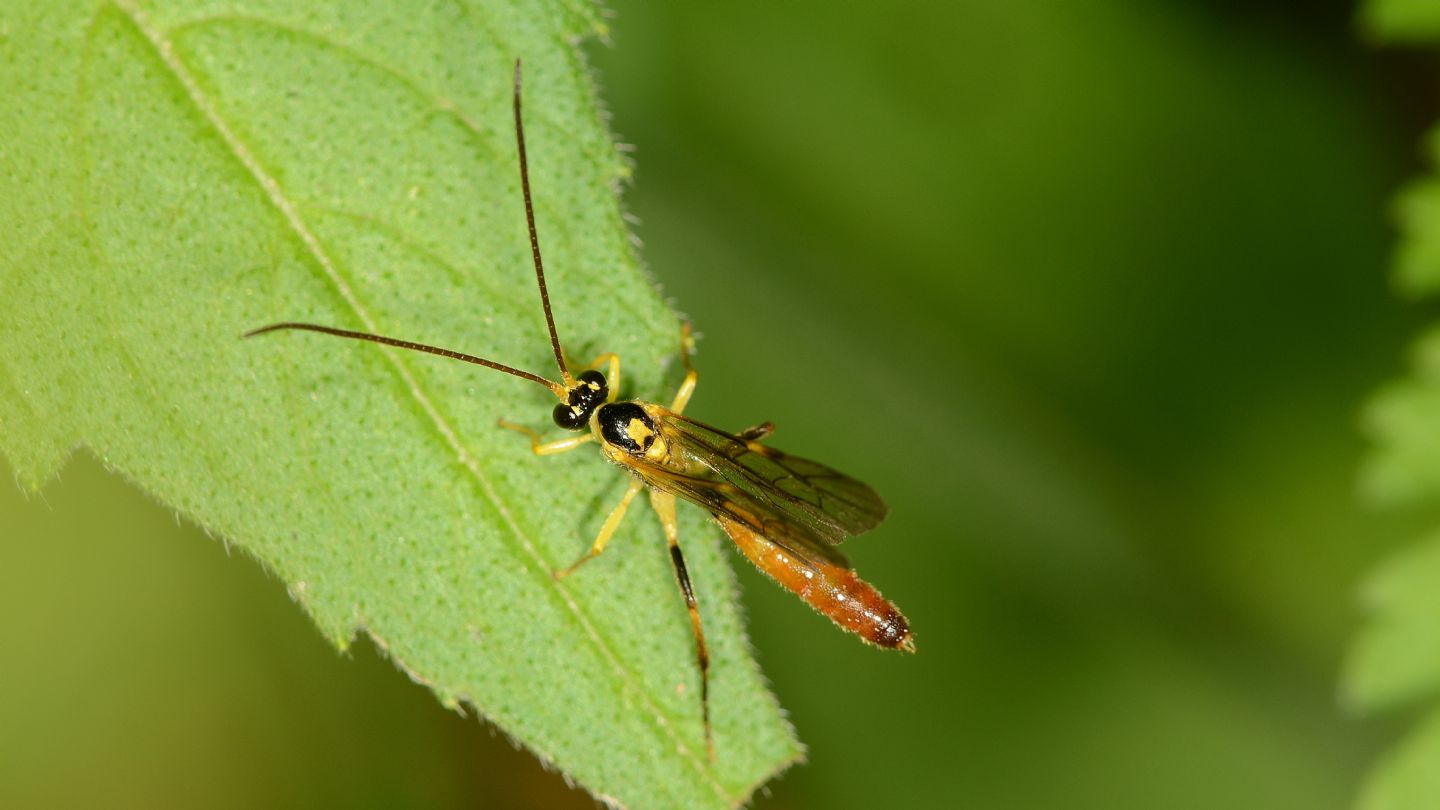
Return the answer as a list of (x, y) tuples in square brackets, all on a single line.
[(640, 432)]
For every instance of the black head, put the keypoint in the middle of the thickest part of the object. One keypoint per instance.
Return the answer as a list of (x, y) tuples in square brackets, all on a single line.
[(627, 426), (589, 392)]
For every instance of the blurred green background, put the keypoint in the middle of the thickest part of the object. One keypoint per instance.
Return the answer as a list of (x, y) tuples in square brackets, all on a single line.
[(1092, 293)]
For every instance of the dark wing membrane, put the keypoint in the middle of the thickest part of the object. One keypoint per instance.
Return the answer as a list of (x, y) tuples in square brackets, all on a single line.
[(828, 505)]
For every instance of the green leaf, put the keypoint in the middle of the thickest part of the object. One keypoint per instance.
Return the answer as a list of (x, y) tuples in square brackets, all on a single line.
[(1396, 658), (1407, 779), (175, 173), (1402, 20), (1417, 261), (1403, 422)]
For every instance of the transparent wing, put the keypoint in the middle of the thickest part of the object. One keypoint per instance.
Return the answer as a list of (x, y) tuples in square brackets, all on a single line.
[(799, 504), (724, 500), (831, 504)]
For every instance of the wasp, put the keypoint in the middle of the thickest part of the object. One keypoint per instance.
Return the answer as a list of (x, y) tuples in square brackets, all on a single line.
[(786, 514)]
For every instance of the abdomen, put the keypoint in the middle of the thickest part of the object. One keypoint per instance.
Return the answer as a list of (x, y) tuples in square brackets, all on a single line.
[(834, 590)]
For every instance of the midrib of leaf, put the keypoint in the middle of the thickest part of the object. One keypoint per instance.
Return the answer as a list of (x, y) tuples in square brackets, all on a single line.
[(287, 208)]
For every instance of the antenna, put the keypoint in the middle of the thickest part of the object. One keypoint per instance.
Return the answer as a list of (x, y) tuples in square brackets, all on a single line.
[(534, 239), (558, 389), (561, 391)]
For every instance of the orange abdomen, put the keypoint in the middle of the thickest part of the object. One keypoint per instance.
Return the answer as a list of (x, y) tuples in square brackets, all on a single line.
[(834, 590)]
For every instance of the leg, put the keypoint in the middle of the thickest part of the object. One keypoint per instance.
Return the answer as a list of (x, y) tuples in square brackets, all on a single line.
[(755, 434), (612, 379), (540, 448), (664, 506), (612, 522), (687, 387)]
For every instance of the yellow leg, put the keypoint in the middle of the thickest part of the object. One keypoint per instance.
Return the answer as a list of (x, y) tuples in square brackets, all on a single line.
[(687, 387), (611, 524), (664, 505), (612, 378), (540, 448)]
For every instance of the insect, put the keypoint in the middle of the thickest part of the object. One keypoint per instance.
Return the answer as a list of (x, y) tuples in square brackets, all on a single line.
[(786, 514)]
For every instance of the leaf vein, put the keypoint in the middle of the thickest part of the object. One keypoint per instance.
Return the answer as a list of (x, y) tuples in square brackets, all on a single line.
[(416, 86), (289, 211)]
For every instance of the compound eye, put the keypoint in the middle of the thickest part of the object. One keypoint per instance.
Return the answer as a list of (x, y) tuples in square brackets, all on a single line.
[(567, 418), (594, 378)]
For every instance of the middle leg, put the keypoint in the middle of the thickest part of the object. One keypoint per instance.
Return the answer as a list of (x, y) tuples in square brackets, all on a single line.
[(755, 434), (687, 386), (544, 448)]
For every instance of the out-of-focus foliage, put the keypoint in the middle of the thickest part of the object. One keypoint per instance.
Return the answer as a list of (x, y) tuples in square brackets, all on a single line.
[(1396, 659), (1088, 291), (1402, 20)]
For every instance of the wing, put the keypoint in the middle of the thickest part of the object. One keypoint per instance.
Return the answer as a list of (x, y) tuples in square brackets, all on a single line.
[(799, 504), (833, 505), (726, 502)]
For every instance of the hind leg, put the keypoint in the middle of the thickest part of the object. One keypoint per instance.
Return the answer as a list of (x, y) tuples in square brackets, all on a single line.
[(664, 505)]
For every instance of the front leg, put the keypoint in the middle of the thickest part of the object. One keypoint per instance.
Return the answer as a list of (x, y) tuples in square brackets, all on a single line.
[(612, 379), (540, 448), (612, 522), (612, 376)]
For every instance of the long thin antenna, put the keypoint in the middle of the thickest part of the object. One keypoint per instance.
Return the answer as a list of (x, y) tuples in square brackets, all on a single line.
[(534, 239), (558, 389)]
